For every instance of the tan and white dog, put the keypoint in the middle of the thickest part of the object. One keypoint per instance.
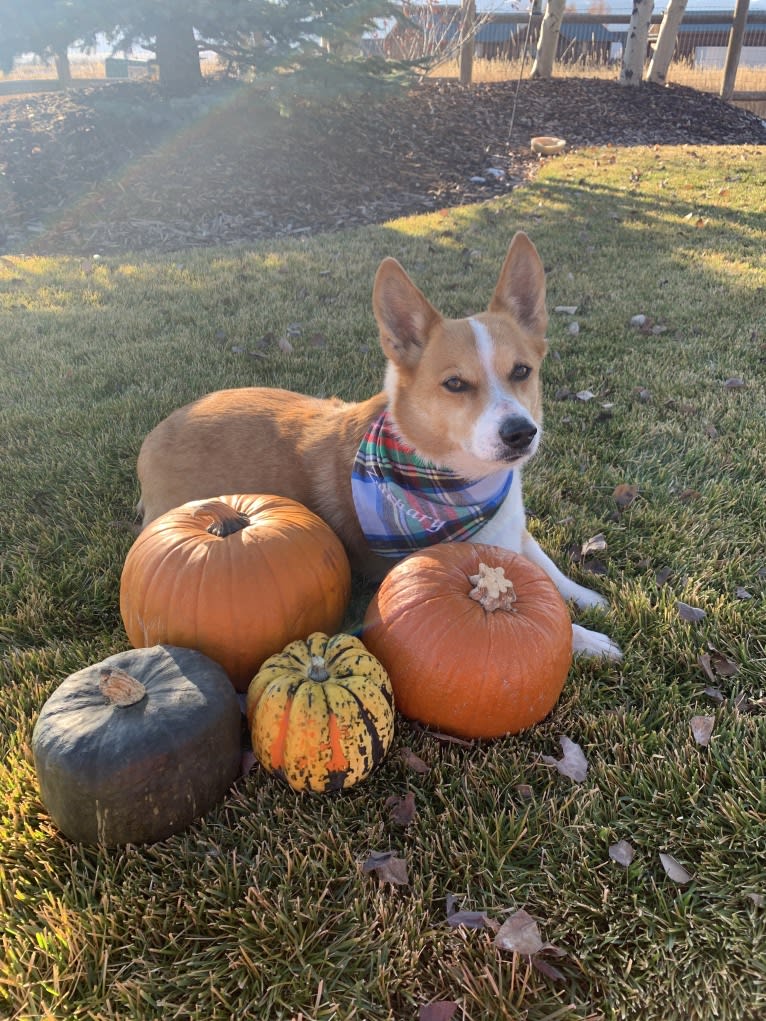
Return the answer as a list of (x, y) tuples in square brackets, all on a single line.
[(462, 399)]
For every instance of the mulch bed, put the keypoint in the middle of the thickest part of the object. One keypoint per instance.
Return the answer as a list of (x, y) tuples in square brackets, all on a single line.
[(119, 167)]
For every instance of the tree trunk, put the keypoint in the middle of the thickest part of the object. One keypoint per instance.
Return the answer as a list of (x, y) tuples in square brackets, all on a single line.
[(735, 48), (63, 67), (467, 32), (632, 69), (178, 58), (549, 39), (666, 42)]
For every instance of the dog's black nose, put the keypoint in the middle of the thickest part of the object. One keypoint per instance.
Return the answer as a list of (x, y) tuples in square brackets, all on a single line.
[(517, 432)]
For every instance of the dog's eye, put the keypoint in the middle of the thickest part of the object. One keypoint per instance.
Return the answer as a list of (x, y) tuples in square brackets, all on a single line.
[(520, 372), (455, 385)]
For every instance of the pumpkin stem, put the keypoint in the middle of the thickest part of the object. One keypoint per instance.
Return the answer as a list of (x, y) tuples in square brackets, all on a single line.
[(318, 670), (227, 520), (492, 589), (120, 688)]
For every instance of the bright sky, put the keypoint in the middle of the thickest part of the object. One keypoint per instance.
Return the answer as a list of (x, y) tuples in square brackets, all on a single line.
[(615, 6)]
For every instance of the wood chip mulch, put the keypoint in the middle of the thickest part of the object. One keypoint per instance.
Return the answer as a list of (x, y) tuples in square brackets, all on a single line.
[(118, 167)]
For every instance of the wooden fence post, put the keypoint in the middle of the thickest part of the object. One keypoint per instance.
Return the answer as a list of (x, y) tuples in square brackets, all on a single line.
[(467, 32), (734, 50)]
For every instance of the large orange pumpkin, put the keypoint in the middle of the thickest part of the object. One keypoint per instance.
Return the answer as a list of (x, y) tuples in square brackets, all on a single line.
[(477, 641), (236, 577)]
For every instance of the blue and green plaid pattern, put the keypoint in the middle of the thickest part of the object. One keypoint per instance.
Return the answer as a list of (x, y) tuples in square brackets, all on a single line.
[(404, 503)]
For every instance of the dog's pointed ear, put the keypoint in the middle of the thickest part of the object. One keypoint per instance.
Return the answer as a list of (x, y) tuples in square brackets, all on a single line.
[(520, 288), (404, 315)]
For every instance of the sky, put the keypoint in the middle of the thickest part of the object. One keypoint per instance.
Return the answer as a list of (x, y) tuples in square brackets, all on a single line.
[(617, 6)]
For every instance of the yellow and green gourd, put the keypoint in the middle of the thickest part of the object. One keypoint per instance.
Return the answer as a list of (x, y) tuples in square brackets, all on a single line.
[(321, 713)]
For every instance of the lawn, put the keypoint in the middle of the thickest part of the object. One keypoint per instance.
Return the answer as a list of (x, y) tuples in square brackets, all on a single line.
[(655, 440)]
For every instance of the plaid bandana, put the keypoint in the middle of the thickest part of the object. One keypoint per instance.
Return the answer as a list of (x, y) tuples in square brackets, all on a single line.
[(404, 503)]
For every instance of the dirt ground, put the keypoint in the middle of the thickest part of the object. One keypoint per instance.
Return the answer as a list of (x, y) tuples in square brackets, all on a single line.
[(117, 167)]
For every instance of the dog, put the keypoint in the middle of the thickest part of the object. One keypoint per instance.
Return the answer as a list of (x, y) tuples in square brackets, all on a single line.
[(436, 456)]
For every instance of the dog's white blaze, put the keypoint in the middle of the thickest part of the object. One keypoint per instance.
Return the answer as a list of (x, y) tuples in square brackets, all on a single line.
[(485, 439)]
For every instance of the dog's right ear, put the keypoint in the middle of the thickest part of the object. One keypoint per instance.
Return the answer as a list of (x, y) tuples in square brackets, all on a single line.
[(404, 315)]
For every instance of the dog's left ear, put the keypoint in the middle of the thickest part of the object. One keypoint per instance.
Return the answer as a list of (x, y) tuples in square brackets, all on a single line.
[(404, 315), (520, 288)]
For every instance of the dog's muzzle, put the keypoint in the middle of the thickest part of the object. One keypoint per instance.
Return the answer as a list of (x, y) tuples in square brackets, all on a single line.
[(516, 433)]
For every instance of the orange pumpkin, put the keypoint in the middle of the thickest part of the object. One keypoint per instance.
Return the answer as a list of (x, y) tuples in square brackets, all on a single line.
[(477, 641), (236, 577)]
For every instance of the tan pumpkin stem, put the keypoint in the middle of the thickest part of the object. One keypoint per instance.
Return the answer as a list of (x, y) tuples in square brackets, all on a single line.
[(120, 688), (227, 520), (492, 589), (318, 670)]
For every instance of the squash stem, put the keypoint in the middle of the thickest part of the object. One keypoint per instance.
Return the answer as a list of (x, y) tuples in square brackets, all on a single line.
[(227, 520), (318, 670), (492, 589)]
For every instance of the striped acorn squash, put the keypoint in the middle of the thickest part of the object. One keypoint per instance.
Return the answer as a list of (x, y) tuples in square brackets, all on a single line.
[(321, 713)]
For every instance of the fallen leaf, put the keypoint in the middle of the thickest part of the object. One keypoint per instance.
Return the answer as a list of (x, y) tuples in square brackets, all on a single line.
[(524, 791), (402, 809), (471, 920), (548, 969), (675, 870), (715, 661), (318, 340), (596, 544), (439, 1010), (663, 576), (624, 495), (413, 761), (643, 395), (573, 764), (285, 346), (687, 495), (573, 328), (735, 383), (742, 593), (389, 868), (715, 694), (585, 395), (622, 852), (691, 614), (702, 728), (520, 933), (566, 309), (757, 898)]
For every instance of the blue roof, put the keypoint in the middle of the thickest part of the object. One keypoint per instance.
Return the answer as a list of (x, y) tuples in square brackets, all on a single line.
[(583, 33)]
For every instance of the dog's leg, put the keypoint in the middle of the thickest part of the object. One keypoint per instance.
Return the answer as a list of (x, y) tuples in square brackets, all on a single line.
[(589, 643)]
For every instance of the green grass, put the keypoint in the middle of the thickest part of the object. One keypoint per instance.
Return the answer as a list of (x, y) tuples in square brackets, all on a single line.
[(261, 910)]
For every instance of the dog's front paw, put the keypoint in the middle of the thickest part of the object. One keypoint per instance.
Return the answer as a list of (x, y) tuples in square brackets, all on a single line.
[(593, 643), (583, 598)]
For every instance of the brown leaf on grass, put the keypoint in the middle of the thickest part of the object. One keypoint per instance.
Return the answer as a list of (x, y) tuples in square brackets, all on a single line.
[(741, 593), (715, 694), (446, 738), (735, 383), (702, 729), (688, 495), (389, 867), (402, 810), (715, 663), (285, 346), (413, 761), (624, 495), (318, 340), (520, 933), (573, 764), (622, 852), (675, 870), (690, 614), (439, 1010), (663, 576), (547, 969), (758, 899), (596, 544)]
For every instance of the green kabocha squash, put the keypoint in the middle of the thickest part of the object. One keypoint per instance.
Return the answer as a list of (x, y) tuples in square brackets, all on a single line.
[(321, 713), (134, 748)]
